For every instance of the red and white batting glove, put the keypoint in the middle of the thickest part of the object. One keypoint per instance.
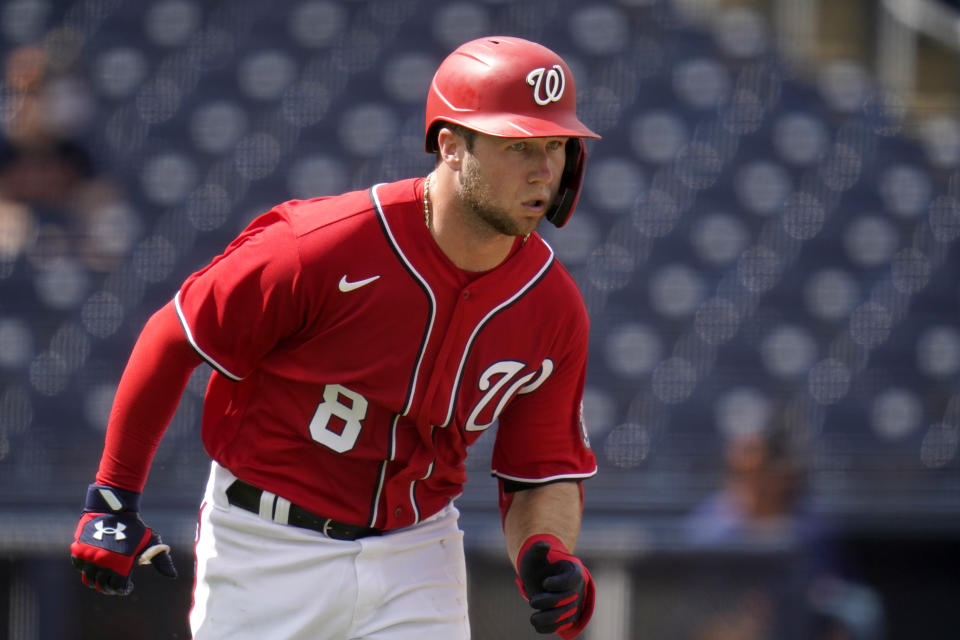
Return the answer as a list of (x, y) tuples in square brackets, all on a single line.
[(111, 537), (557, 584)]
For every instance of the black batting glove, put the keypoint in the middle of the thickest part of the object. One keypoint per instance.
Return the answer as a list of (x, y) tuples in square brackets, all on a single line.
[(110, 538), (557, 585)]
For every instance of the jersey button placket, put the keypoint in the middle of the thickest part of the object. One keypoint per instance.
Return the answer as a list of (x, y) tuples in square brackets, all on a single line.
[(466, 294)]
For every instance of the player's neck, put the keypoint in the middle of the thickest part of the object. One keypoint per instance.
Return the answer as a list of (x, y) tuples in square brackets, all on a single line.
[(468, 245)]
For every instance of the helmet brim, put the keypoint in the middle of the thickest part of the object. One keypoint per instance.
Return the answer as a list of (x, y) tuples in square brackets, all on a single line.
[(513, 125)]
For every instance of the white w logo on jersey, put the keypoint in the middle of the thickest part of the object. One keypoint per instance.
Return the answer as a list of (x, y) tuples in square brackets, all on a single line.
[(507, 370)]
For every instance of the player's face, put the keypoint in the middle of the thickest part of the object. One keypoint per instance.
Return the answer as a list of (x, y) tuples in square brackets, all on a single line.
[(508, 184)]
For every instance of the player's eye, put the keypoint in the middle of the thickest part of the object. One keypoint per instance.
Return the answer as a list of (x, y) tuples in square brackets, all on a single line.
[(518, 146)]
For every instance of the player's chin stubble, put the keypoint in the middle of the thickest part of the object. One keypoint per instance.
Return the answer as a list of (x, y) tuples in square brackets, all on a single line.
[(476, 197)]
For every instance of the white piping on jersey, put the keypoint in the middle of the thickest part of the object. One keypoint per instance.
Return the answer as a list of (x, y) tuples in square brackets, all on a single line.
[(413, 503), (193, 343), (413, 495), (482, 323), (393, 438), (423, 281), (416, 369), (562, 476), (382, 476), (416, 372)]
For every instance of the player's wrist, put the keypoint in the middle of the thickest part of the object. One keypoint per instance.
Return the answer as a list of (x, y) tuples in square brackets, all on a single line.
[(103, 498), (555, 543)]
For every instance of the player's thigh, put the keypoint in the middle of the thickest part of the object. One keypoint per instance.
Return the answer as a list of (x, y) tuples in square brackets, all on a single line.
[(425, 592), (257, 579)]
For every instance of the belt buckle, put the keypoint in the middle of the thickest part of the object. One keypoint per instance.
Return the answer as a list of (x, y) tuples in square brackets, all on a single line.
[(326, 527)]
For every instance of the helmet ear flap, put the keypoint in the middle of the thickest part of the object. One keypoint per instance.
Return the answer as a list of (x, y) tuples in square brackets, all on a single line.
[(570, 183)]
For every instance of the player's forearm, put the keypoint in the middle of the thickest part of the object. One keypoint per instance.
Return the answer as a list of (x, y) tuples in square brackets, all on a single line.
[(147, 397), (553, 508)]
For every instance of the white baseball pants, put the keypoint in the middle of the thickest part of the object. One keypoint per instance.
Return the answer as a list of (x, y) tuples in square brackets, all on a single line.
[(256, 579)]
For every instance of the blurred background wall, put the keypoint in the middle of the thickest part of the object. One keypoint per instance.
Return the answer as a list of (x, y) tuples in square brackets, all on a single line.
[(766, 241)]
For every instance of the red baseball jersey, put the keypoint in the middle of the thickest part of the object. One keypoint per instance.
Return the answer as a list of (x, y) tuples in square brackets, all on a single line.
[(354, 363)]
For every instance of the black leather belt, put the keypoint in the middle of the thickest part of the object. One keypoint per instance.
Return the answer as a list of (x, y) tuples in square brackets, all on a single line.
[(246, 496)]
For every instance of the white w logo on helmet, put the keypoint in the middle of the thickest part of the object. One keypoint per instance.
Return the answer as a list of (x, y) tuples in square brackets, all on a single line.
[(551, 90)]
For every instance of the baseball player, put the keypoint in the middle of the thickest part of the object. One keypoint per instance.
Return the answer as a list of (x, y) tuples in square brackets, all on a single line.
[(359, 344)]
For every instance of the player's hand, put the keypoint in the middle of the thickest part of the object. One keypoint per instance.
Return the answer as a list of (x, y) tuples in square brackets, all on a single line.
[(557, 585), (111, 537)]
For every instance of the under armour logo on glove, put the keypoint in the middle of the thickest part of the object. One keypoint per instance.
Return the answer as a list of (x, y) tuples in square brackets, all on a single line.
[(102, 529), (557, 584), (111, 538)]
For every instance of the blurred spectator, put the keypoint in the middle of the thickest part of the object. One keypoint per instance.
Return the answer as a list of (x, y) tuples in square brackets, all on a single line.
[(43, 172), (55, 211), (762, 506), (761, 502)]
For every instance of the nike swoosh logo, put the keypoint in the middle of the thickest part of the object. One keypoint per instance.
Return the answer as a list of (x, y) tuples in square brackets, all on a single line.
[(350, 286)]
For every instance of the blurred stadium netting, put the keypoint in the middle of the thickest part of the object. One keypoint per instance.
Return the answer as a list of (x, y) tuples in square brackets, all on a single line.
[(750, 240)]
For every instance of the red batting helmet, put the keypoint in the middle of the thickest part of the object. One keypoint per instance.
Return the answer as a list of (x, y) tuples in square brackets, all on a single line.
[(513, 88)]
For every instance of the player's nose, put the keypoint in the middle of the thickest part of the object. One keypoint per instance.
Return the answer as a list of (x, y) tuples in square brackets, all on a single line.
[(543, 165)]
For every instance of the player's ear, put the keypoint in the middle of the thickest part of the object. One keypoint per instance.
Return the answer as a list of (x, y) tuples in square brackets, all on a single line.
[(451, 147)]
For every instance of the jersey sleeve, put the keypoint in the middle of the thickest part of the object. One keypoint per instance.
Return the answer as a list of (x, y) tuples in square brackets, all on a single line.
[(541, 435), (237, 308)]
